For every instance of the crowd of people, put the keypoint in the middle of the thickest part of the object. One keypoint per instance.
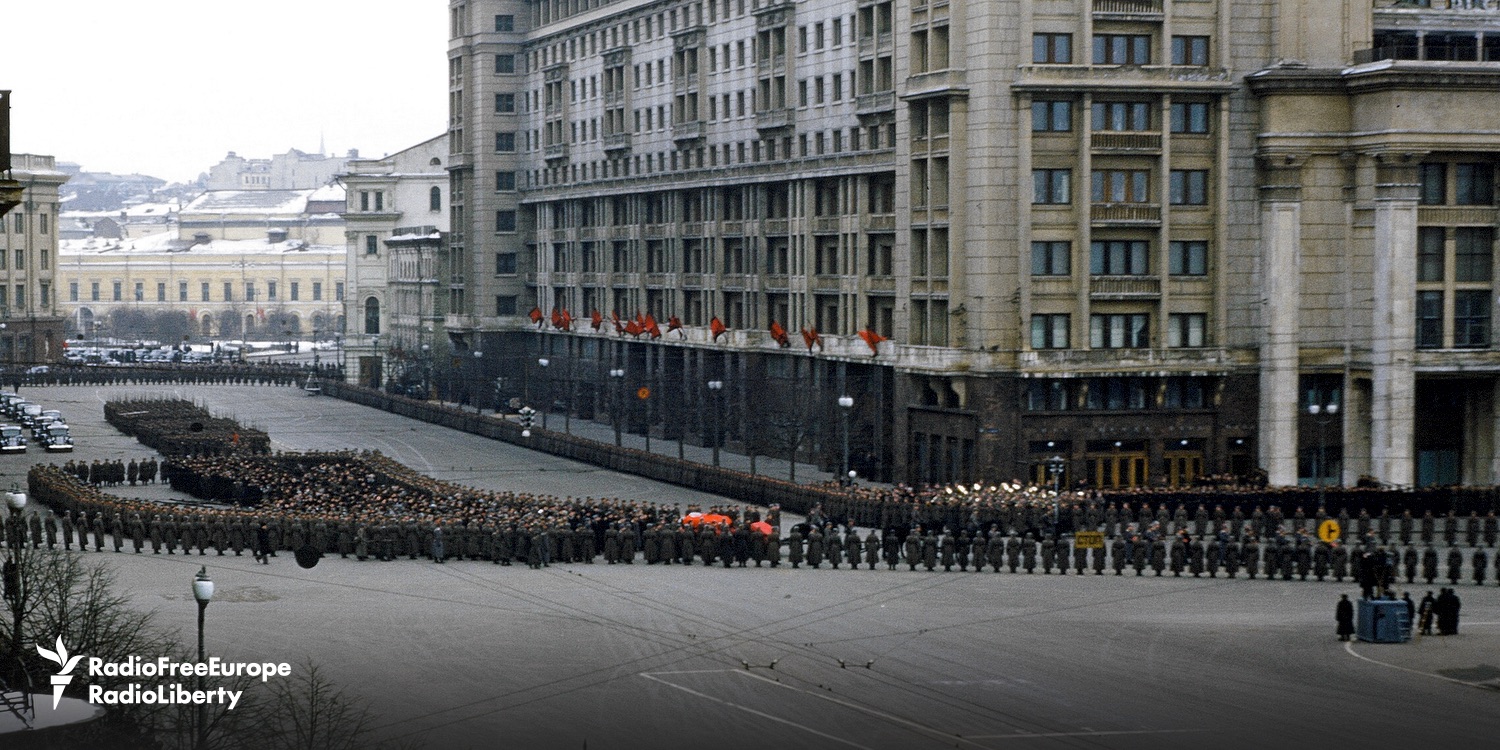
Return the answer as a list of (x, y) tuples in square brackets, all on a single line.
[(367, 506)]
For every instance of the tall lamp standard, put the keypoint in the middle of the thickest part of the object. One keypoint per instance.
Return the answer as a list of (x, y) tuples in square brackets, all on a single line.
[(478, 381), (846, 405), (714, 387), (542, 362), (14, 590), (426, 371), (1322, 414), (616, 376), (203, 591), (1055, 467)]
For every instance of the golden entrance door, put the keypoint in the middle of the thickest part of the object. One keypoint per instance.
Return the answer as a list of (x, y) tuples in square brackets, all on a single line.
[(1183, 467), (1115, 470)]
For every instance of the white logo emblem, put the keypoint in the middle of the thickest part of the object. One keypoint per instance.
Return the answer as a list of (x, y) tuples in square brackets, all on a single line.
[(64, 675)]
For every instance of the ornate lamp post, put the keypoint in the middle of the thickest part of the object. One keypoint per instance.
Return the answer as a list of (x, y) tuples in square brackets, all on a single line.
[(203, 591), (542, 362), (1322, 414), (616, 376), (15, 591), (846, 405), (1055, 467), (714, 388), (478, 381)]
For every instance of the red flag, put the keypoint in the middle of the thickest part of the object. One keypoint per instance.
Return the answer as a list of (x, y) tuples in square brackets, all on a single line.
[(651, 327), (811, 338), (716, 327), (779, 334), (596, 319), (633, 328), (674, 323), (873, 339), (536, 315), (567, 320), (556, 318)]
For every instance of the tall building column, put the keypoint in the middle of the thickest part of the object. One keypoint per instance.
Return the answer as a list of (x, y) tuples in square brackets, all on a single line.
[(1393, 385), (1281, 295)]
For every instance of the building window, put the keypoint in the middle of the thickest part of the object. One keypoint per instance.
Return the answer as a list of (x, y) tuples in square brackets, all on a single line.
[(372, 245), (505, 103), (161, 291), (505, 64), (1049, 331), (1184, 393), (46, 290), (72, 291), (1116, 394), (338, 291), (1189, 187), (1185, 329), (1122, 116), (317, 291), (1434, 179), (1430, 253), (505, 264), (249, 291), (435, 199), (1474, 184), (1190, 117), (505, 181), (1122, 49), (1051, 258), (1048, 394), (94, 291), (270, 291), (372, 316), (1119, 257), (505, 23), (505, 143), (1119, 331), (1122, 186), (379, 201), (1471, 319), (1187, 258), (1190, 50), (505, 221), (1051, 186), (20, 258), (1052, 116), (296, 291), (182, 291), (203, 291), (118, 295), (1472, 253), (1052, 48), (1429, 320), (505, 305)]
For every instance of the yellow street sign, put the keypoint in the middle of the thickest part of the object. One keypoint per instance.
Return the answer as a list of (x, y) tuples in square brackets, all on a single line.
[(1089, 540), (1328, 531)]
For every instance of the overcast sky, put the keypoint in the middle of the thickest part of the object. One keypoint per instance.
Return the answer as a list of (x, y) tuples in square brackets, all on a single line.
[(168, 87)]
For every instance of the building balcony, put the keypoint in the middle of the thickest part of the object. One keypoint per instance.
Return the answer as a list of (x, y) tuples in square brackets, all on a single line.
[(734, 228), (825, 224), (594, 279), (694, 281), (1045, 77), (874, 104), (1124, 287), (737, 282), (880, 284), (556, 151), (1126, 360), (617, 142), (656, 231), (690, 130), (621, 233), (937, 83), (1125, 214), (775, 119), (1485, 216), (775, 227), (869, 45), (614, 96), (693, 229), (1128, 10), (661, 280), (828, 283), (880, 223), (777, 282), (1106, 141)]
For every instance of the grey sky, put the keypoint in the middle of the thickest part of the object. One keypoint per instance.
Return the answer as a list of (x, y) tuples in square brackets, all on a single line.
[(168, 87)]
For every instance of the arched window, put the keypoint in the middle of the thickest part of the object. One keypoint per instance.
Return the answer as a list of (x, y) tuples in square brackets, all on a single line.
[(435, 198), (372, 315)]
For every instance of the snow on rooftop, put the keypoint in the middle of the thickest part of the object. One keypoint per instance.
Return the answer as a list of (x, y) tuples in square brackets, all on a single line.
[(169, 242), (250, 202)]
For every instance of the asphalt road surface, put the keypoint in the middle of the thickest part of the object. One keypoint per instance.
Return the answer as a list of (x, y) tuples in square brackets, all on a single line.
[(469, 654)]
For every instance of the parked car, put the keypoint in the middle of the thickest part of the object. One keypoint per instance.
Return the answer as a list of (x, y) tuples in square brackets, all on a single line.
[(30, 414), (11, 439), (57, 438)]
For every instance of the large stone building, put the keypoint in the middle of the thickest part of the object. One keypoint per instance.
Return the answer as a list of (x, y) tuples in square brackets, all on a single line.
[(31, 330), (397, 225), (293, 170), (1140, 237)]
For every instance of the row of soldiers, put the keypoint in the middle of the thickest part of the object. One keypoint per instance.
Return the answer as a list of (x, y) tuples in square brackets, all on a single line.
[(114, 473)]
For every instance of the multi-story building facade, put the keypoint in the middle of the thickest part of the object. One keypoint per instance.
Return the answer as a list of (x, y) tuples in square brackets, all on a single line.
[(31, 329), (1105, 235), (293, 170), (397, 225)]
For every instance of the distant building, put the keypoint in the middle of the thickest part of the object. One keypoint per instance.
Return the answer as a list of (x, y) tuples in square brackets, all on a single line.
[(397, 219), (134, 222), (30, 328), (293, 170)]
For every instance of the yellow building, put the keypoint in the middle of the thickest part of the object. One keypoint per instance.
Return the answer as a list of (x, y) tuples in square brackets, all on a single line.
[(30, 329)]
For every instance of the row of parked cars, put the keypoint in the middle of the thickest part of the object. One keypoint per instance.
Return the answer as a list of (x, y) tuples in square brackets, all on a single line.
[(46, 425)]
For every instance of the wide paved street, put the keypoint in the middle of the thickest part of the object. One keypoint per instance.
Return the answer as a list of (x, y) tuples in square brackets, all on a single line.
[(470, 654)]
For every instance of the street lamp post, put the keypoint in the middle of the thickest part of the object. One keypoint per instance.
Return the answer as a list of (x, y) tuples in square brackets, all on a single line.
[(1055, 467), (846, 405), (203, 591), (1322, 414), (714, 387), (547, 389), (617, 376), (478, 363), (14, 583)]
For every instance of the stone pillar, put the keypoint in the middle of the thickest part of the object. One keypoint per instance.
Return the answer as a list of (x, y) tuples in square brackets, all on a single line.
[(1281, 294), (1393, 385)]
